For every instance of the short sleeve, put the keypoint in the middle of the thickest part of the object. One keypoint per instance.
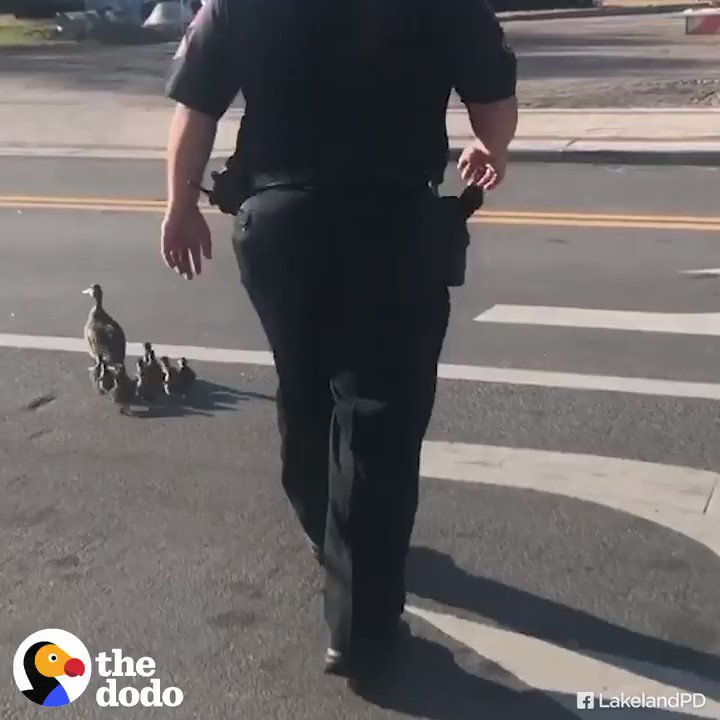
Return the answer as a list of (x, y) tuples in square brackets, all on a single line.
[(484, 64), (204, 74)]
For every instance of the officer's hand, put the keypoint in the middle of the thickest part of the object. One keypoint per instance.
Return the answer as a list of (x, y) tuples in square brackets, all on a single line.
[(185, 241), (480, 167)]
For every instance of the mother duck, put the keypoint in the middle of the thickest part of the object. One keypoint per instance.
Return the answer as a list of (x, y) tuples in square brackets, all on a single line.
[(103, 333), (44, 663)]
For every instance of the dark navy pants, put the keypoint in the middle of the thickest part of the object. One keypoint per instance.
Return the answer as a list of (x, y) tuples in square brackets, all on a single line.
[(345, 284)]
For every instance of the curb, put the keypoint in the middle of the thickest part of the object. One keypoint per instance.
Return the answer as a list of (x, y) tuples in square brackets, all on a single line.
[(700, 158), (557, 152), (607, 11), (609, 155)]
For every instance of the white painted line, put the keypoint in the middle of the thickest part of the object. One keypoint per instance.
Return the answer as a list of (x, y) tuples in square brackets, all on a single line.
[(659, 486), (573, 381), (709, 272), (655, 322), (676, 497), (470, 373), (560, 673), (191, 352)]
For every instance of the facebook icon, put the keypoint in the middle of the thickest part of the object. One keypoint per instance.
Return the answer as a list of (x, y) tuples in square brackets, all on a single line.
[(586, 700)]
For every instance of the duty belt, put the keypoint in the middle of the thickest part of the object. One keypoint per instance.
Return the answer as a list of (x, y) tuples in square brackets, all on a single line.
[(266, 181)]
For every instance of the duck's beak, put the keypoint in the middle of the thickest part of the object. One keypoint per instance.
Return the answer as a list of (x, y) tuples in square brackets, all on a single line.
[(88, 291)]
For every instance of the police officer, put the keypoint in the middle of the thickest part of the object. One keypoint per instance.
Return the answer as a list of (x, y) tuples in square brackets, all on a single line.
[(340, 247)]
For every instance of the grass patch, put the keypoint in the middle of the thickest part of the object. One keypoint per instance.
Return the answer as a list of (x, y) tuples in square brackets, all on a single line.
[(26, 32)]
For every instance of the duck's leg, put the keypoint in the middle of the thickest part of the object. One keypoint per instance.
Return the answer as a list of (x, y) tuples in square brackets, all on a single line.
[(94, 371)]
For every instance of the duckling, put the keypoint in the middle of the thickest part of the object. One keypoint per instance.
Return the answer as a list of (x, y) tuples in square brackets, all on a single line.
[(154, 370), (124, 390), (103, 333), (171, 377), (145, 390), (186, 375), (107, 379)]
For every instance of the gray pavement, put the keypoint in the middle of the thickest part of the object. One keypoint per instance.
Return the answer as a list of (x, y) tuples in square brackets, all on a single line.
[(628, 190), (167, 534), (635, 61), (630, 61)]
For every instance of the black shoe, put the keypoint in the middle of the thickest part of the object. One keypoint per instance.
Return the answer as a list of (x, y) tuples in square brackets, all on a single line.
[(338, 663), (317, 553), (367, 653)]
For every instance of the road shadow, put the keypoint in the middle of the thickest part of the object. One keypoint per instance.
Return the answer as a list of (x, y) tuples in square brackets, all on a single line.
[(424, 680), (205, 399), (435, 576)]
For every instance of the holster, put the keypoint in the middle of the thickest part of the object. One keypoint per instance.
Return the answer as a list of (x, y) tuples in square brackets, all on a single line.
[(454, 213), (230, 187)]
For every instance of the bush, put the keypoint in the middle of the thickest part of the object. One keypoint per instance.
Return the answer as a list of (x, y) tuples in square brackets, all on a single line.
[(36, 9)]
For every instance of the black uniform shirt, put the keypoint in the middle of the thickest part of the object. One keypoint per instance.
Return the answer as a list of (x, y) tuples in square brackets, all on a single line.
[(355, 87)]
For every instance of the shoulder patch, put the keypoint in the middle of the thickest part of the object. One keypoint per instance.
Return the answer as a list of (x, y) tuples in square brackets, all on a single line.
[(199, 15)]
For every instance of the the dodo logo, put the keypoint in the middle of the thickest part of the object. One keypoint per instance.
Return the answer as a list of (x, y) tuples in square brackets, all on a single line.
[(52, 668)]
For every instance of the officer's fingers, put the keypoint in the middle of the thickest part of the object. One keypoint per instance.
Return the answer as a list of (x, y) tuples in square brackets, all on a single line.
[(184, 266), (170, 255), (488, 176), (196, 259), (478, 176), (166, 248), (169, 258), (492, 182), (179, 261), (206, 245), (472, 172)]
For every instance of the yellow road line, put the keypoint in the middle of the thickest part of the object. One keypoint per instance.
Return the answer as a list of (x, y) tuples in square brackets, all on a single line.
[(13, 200), (618, 224), (82, 206), (495, 217), (604, 216), (52, 201)]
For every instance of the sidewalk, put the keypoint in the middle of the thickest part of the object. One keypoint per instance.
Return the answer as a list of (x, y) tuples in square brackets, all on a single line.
[(607, 8), (667, 136), (633, 136)]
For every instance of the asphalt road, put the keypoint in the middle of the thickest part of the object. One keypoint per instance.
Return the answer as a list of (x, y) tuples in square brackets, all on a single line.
[(166, 534), (626, 61)]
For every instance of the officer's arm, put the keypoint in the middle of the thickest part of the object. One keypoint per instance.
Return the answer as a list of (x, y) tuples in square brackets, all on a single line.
[(204, 81), (192, 135), (494, 124), (485, 69)]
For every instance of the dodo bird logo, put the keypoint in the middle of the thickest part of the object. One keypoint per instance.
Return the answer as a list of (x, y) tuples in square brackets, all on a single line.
[(52, 668)]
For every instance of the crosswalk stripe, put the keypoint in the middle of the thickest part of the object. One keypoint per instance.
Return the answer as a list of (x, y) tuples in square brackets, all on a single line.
[(676, 497), (470, 373), (560, 673), (680, 498), (572, 317)]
